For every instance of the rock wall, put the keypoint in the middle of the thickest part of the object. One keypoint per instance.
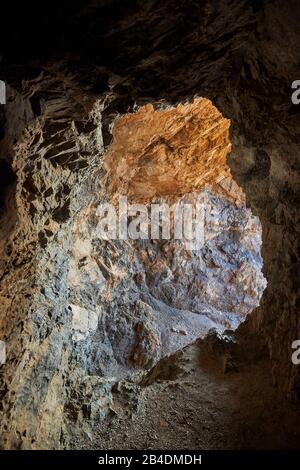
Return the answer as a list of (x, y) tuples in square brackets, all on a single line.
[(120, 288), (71, 74), (36, 233), (80, 313)]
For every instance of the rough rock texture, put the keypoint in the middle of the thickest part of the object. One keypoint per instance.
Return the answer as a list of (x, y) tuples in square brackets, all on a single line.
[(98, 310), (150, 297), (182, 406), (223, 274), (177, 151), (73, 68), (48, 155)]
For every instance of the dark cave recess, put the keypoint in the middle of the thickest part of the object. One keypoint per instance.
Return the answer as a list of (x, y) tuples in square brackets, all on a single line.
[(7, 180)]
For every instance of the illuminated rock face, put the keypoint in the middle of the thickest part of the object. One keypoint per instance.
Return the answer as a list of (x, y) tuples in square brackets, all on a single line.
[(163, 283), (134, 302), (168, 152), (65, 91), (100, 310)]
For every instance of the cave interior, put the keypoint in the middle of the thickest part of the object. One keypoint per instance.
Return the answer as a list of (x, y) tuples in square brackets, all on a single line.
[(161, 102)]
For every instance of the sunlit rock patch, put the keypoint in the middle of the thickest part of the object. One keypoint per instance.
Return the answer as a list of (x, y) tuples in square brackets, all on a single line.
[(170, 151)]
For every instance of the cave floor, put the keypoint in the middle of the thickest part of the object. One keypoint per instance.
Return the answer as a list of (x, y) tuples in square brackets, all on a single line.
[(185, 405)]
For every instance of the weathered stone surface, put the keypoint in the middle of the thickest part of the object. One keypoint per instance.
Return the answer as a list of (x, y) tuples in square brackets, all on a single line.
[(96, 64), (177, 151), (105, 308)]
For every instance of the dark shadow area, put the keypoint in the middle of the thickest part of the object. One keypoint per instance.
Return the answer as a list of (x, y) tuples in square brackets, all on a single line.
[(7, 181)]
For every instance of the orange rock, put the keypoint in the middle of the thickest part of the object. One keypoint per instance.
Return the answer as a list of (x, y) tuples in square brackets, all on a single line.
[(168, 152)]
